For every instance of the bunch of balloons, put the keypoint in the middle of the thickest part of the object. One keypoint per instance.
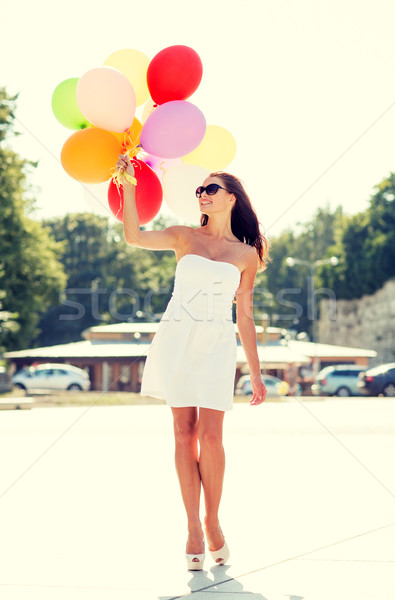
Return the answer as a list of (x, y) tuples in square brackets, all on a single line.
[(172, 147)]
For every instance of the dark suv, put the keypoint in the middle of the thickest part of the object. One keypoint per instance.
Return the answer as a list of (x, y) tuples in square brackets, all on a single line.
[(377, 381)]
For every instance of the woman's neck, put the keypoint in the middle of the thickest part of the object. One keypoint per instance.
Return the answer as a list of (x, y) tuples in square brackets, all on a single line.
[(219, 229)]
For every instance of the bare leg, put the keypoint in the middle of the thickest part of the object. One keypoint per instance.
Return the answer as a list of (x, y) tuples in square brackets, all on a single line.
[(187, 466), (212, 468)]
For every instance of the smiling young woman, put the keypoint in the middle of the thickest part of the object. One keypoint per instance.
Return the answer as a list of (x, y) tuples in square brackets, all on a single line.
[(191, 362)]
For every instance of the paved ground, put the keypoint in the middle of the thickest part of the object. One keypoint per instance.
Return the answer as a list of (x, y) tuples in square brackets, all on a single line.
[(90, 506)]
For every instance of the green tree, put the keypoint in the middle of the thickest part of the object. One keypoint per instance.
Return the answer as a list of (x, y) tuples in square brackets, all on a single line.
[(366, 247), (8, 322), (309, 241), (108, 280), (30, 274)]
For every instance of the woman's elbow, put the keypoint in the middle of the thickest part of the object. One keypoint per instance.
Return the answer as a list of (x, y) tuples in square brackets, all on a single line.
[(130, 239)]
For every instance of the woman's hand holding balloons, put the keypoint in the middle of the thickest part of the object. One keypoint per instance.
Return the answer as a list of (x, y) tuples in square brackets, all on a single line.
[(258, 390), (124, 165), (124, 173)]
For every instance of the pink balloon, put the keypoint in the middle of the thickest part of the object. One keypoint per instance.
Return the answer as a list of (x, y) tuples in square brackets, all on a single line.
[(173, 129), (107, 96), (159, 164)]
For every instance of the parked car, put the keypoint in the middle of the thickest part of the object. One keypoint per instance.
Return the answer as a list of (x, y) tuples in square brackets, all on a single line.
[(52, 377), (338, 380), (378, 380), (274, 386)]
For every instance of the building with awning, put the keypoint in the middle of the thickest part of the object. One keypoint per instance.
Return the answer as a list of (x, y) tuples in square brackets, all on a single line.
[(273, 356), (328, 354), (114, 355)]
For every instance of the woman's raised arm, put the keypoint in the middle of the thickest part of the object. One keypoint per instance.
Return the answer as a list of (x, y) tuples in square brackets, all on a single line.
[(168, 239)]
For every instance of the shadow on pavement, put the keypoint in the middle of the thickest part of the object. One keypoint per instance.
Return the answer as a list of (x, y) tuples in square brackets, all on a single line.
[(218, 582)]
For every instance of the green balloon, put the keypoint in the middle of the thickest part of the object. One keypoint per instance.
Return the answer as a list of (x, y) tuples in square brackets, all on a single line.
[(65, 107)]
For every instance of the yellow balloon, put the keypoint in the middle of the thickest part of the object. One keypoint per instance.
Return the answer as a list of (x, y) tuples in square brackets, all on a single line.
[(134, 65), (215, 152)]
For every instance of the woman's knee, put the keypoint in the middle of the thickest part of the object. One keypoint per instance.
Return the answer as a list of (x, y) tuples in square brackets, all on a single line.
[(210, 437), (185, 432)]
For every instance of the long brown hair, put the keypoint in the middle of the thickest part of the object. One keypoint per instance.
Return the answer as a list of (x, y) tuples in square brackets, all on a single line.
[(243, 221)]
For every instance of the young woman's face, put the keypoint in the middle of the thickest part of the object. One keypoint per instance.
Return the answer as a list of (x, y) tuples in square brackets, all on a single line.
[(213, 202)]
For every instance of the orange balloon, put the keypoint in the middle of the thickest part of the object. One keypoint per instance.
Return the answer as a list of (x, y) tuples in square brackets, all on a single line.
[(89, 155), (130, 139)]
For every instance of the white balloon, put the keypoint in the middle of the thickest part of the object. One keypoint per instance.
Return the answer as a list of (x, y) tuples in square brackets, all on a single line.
[(106, 98), (148, 108), (179, 184), (96, 197)]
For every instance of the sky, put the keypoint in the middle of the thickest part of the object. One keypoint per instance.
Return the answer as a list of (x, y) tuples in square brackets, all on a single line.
[(306, 87)]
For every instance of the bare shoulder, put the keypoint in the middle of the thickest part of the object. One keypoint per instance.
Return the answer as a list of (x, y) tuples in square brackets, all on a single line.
[(250, 259), (182, 232)]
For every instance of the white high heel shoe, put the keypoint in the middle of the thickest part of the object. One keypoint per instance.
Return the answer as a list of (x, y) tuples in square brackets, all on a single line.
[(195, 561), (221, 556)]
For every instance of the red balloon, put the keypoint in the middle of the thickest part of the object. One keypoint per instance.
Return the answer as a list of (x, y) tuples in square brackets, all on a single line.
[(149, 194), (174, 74)]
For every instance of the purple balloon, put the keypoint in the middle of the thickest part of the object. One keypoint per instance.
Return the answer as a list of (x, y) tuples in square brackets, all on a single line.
[(173, 129)]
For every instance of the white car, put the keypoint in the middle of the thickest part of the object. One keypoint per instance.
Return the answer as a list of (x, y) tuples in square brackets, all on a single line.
[(274, 386), (54, 376)]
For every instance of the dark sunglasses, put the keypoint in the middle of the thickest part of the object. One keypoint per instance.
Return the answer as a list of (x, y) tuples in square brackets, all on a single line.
[(210, 189)]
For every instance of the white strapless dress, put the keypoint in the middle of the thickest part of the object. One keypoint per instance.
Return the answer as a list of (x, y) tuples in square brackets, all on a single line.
[(192, 358)]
